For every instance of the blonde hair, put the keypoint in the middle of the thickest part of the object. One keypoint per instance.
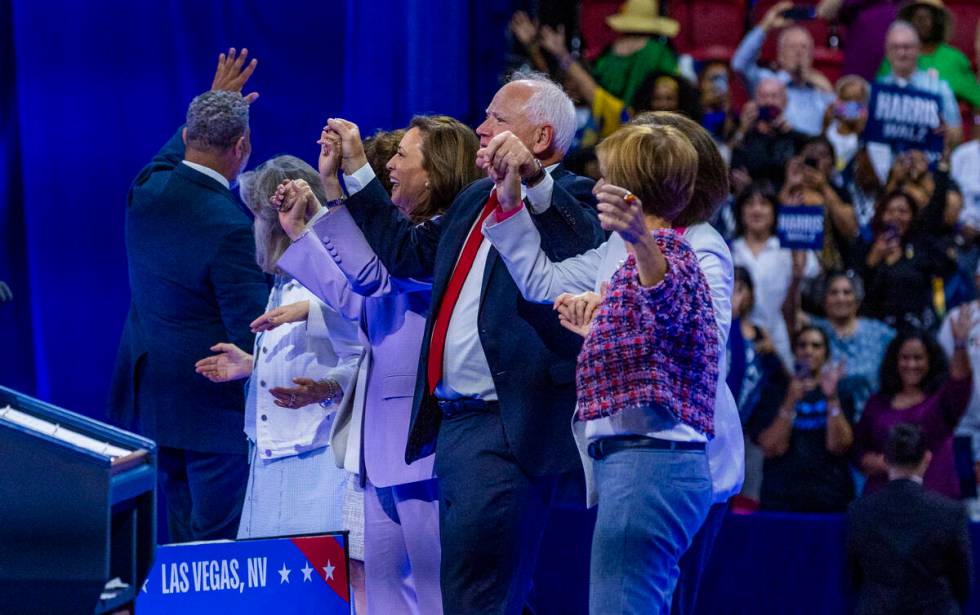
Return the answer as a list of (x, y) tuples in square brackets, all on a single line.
[(255, 188), (656, 163), (711, 186)]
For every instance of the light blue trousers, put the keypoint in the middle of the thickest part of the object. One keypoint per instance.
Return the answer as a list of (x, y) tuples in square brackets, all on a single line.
[(651, 504)]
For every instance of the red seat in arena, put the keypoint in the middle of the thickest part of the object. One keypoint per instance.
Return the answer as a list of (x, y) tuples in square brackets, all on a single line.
[(597, 35), (966, 13), (708, 23)]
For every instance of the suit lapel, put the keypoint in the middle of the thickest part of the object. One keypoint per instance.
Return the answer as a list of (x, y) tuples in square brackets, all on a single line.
[(451, 243)]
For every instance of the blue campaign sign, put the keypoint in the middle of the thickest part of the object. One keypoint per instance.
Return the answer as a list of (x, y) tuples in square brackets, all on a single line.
[(800, 227), (286, 576), (905, 118)]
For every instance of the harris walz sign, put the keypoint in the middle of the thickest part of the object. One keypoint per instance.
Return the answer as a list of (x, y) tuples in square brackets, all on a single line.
[(905, 118)]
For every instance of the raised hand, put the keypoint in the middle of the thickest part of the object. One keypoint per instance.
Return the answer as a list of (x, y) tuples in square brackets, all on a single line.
[(294, 312), (296, 203), (523, 28), (231, 363), (962, 325), (508, 185), (353, 156), (830, 376), (575, 312), (504, 149), (232, 73), (553, 40), (621, 212), (331, 152), (774, 17)]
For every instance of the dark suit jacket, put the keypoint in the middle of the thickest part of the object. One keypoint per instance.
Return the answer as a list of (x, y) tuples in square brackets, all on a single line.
[(531, 357), (908, 551), (194, 283)]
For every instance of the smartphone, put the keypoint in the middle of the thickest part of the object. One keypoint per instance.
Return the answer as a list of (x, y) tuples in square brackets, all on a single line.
[(801, 13), (891, 232), (768, 113), (801, 369)]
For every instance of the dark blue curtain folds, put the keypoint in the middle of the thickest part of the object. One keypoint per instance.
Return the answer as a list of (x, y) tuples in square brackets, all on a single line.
[(90, 91)]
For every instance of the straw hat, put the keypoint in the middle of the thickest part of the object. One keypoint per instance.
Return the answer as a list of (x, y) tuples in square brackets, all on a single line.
[(908, 9), (642, 17)]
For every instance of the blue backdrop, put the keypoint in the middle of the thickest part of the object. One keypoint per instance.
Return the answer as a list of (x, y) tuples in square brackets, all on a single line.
[(90, 91)]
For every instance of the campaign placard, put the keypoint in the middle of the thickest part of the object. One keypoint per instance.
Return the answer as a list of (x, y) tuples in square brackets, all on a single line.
[(800, 227), (905, 118), (286, 576)]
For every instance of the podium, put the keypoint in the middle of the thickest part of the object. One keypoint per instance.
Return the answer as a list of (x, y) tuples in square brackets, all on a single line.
[(77, 510)]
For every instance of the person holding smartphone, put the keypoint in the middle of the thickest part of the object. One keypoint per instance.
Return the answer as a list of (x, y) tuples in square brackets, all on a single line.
[(809, 93), (805, 440)]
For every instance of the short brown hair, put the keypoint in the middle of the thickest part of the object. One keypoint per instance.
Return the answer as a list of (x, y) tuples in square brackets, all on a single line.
[(711, 187), (656, 163), (448, 157), (379, 149)]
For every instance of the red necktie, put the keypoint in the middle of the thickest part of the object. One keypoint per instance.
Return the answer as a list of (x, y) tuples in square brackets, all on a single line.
[(437, 345)]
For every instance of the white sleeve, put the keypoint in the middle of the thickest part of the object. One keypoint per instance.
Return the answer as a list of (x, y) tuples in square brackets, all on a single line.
[(360, 178), (538, 278)]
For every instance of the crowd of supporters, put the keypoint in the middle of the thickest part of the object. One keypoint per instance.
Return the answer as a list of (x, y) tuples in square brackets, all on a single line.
[(830, 347)]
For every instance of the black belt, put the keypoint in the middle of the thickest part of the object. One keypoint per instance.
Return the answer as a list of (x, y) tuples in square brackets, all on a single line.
[(607, 446), (451, 408)]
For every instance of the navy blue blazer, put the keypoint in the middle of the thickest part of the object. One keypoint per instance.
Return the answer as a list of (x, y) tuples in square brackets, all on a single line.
[(531, 356), (194, 283)]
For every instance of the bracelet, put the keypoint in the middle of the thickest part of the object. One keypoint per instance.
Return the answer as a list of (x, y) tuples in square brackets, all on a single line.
[(833, 411), (333, 396), (958, 345), (566, 61), (334, 202)]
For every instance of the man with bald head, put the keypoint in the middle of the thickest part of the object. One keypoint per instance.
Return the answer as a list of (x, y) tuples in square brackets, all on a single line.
[(765, 141), (808, 92), (496, 381)]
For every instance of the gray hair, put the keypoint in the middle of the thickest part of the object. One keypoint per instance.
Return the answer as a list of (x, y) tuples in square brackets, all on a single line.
[(549, 104), (255, 188), (901, 24), (215, 120)]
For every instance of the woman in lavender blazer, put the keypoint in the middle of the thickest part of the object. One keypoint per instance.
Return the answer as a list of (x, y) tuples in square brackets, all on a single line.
[(435, 160)]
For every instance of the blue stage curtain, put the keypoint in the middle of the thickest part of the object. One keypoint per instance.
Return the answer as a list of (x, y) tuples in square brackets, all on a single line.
[(93, 89), (16, 349)]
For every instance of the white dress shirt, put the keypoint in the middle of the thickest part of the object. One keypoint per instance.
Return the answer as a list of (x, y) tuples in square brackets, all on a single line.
[(772, 271), (325, 346), (965, 169), (218, 177), (465, 370), (541, 280)]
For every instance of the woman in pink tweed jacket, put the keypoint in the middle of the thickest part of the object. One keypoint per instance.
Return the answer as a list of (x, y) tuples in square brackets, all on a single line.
[(647, 376)]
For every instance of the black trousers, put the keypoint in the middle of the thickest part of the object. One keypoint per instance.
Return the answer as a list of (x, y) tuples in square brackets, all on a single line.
[(491, 518), (204, 493)]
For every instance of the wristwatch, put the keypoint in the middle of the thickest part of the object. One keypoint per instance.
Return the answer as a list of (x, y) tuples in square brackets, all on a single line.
[(333, 395), (535, 179)]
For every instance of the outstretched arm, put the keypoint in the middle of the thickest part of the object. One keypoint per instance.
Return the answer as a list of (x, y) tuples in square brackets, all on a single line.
[(406, 249)]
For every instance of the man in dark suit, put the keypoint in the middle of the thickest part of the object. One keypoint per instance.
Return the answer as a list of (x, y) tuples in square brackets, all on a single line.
[(496, 382), (194, 280), (908, 549)]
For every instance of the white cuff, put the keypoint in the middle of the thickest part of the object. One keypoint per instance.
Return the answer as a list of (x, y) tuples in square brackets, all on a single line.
[(539, 195), (360, 178)]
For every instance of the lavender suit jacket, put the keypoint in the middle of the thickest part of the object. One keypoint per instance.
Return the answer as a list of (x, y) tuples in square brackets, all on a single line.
[(336, 263)]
